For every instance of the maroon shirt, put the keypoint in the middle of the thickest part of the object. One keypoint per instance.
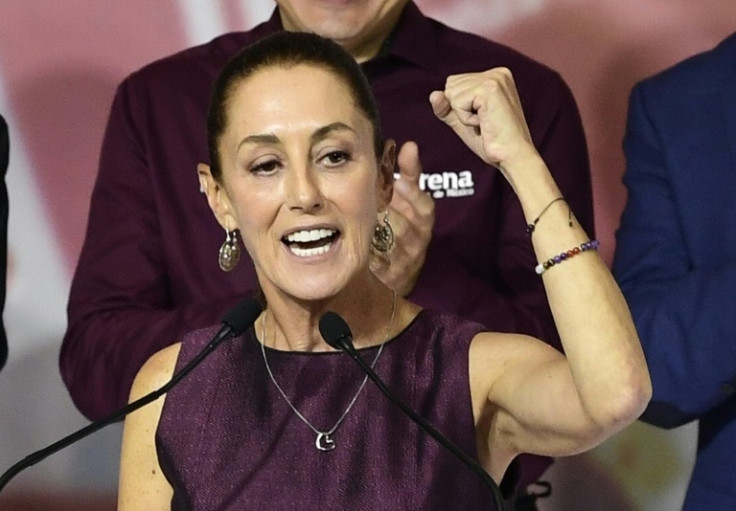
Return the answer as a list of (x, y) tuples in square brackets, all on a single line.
[(148, 269)]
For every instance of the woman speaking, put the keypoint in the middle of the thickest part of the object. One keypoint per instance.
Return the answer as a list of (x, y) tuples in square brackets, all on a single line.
[(276, 419)]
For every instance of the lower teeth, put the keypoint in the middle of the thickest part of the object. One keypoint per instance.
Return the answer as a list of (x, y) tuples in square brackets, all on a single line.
[(307, 252)]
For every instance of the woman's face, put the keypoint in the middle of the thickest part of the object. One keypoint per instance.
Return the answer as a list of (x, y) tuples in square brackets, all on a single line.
[(301, 180)]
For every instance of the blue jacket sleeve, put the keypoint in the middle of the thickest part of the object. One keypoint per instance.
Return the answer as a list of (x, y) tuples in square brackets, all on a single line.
[(683, 311)]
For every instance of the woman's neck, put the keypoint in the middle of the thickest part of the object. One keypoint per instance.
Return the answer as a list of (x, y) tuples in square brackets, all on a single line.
[(290, 325)]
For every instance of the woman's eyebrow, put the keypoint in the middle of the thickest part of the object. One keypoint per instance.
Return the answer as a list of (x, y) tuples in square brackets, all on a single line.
[(266, 138), (319, 134), (326, 130)]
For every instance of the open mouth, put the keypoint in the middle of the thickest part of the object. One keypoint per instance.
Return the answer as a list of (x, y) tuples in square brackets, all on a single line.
[(310, 242)]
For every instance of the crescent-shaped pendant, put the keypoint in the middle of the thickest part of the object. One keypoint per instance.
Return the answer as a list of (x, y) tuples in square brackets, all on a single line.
[(324, 442)]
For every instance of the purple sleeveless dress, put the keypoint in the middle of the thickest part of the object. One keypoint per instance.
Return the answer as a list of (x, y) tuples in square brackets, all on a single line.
[(227, 440)]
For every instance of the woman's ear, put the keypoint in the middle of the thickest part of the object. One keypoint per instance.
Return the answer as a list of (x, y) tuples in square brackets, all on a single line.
[(386, 166), (217, 197)]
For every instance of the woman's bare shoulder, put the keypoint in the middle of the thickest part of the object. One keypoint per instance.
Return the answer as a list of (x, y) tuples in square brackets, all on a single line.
[(156, 372)]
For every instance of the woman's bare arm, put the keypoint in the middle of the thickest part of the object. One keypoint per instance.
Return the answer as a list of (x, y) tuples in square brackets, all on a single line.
[(142, 484), (537, 400)]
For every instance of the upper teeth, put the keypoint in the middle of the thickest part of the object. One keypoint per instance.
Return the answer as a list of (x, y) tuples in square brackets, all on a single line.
[(310, 235)]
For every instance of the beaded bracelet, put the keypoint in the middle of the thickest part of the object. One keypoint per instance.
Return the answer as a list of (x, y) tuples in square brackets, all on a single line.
[(549, 263)]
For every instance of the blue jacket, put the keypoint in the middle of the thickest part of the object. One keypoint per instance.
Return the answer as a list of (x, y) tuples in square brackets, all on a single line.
[(676, 256)]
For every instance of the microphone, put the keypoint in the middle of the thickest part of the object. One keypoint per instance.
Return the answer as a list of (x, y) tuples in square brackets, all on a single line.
[(337, 333), (235, 322)]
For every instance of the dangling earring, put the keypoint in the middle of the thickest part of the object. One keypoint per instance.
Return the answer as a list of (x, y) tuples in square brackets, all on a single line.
[(383, 236), (229, 252)]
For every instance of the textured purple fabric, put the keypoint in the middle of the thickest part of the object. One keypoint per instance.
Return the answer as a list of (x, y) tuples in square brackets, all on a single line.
[(227, 440), (148, 270)]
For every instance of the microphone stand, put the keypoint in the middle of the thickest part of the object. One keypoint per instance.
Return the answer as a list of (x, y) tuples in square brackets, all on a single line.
[(344, 342), (234, 324)]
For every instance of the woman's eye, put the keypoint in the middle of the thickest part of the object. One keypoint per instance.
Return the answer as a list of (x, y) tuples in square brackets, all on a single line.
[(335, 158), (266, 167)]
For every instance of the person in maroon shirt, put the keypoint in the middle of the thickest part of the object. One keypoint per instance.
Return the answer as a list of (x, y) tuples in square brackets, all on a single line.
[(148, 271)]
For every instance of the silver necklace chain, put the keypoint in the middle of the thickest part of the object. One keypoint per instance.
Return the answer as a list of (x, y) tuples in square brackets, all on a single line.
[(324, 440)]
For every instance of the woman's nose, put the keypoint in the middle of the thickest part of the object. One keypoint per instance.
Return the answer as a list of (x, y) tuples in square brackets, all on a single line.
[(303, 190)]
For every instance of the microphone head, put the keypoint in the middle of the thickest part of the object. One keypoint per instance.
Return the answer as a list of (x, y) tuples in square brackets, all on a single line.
[(242, 316), (335, 330)]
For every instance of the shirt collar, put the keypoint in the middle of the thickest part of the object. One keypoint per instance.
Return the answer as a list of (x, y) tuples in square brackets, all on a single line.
[(274, 22), (413, 38)]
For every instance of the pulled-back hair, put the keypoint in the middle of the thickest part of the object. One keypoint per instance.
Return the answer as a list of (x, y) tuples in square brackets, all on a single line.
[(287, 49)]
